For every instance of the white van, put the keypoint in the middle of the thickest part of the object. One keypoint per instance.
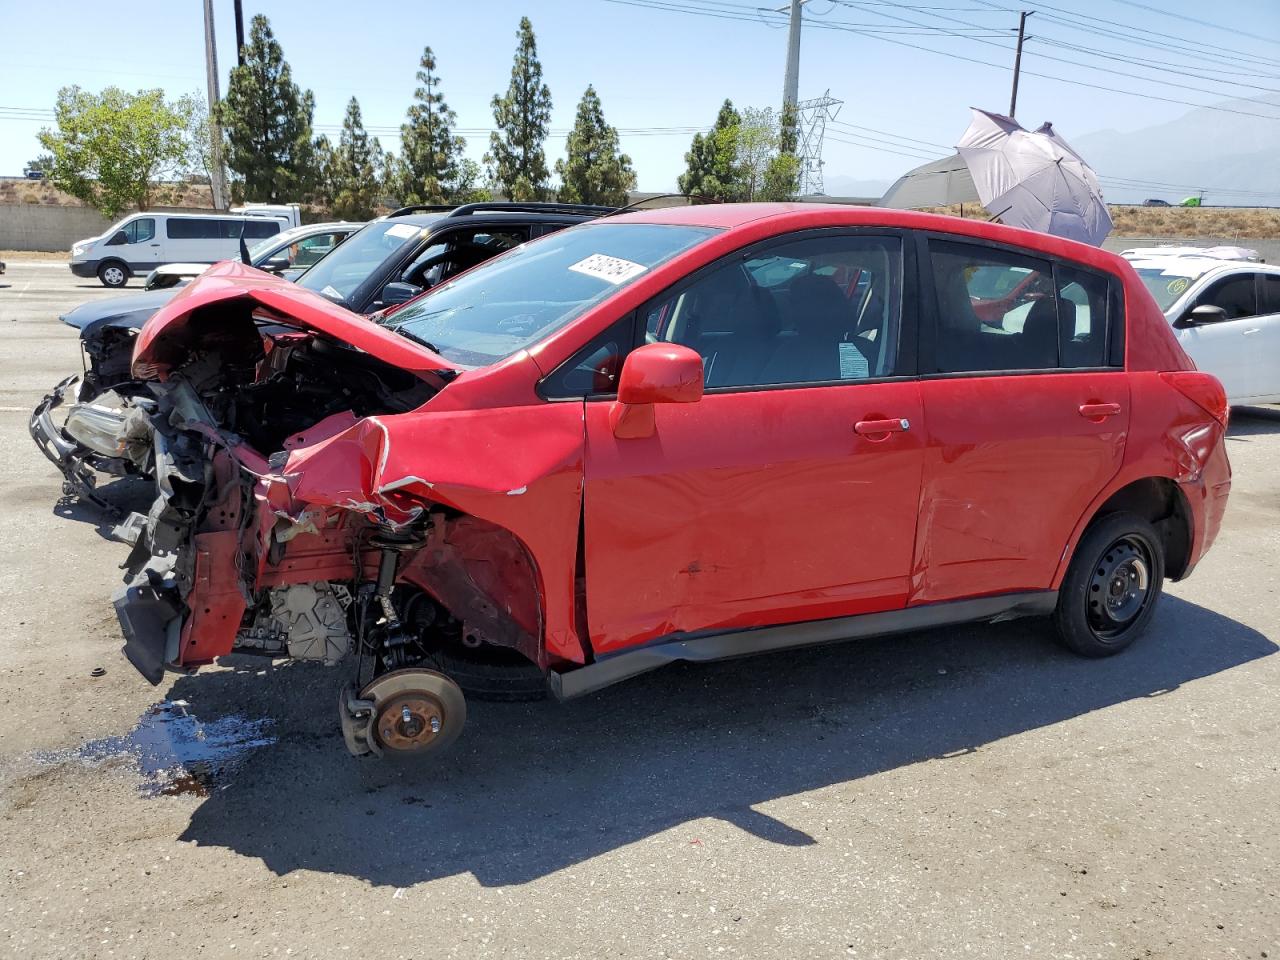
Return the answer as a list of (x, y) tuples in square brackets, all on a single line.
[(143, 241)]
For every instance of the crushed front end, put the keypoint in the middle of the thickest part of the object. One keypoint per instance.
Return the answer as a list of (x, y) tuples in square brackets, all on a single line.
[(273, 531)]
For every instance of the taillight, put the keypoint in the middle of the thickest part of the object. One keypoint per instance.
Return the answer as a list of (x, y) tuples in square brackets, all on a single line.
[(1203, 390)]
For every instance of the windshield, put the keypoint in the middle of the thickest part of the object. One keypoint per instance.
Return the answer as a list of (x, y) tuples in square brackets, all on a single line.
[(517, 299), (1165, 286), (339, 274)]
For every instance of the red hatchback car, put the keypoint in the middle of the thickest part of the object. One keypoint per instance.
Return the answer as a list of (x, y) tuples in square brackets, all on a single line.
[(682, 434)]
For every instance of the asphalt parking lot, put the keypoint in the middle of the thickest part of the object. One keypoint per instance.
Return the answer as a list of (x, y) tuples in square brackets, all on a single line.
[(973, 792)]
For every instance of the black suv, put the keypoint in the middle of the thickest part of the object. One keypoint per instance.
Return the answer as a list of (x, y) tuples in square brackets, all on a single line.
[(395, 258)]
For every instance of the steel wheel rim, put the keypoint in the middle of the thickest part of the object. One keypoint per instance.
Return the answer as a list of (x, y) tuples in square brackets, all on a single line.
[(1119, 588), (113, 275)]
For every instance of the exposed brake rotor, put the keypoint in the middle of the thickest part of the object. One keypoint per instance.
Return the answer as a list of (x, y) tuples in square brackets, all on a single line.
[(402, 713)]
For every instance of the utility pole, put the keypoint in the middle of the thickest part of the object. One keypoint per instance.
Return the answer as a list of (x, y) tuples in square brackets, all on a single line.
[(217, 173), (239, 34), (1017, 60), (791, 81)]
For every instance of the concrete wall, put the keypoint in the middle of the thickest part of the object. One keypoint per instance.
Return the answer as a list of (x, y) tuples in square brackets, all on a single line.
[(38, 226)]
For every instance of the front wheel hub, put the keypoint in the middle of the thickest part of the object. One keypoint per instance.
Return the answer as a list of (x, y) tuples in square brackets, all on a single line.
[(414, 711)]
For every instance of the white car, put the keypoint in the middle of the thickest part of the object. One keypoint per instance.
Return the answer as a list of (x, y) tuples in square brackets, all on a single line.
[(1224, 306)]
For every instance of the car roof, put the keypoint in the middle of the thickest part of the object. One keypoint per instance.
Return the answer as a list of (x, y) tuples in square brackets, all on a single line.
[(489, 217), (1188, 266), (799, 216)]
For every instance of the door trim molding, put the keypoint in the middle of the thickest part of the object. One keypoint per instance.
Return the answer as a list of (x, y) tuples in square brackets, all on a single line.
[(704, 647)]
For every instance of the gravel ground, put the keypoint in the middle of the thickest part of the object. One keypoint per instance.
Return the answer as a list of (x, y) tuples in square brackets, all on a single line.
[(970, 792)]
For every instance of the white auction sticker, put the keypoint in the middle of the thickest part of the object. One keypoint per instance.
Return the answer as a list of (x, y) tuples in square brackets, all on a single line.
[(853, 365), (609, 269), (402, 231)]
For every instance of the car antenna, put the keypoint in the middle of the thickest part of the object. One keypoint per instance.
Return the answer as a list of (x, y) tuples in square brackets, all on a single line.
[(244, 249), (663, 196)]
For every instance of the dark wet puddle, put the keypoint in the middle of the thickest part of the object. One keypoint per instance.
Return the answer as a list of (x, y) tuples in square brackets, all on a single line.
[(174, 752)]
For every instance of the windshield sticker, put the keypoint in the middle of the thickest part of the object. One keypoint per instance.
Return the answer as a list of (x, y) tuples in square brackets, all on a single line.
[(1176, 287), (609, 269), (402, 230), (332, 293), (853, 365)]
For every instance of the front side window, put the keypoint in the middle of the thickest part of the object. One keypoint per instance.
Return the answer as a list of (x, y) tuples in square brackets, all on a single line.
[(142, 230), (814, 310), (339, 275), (530, 292), (1235, 294), (307, 253)]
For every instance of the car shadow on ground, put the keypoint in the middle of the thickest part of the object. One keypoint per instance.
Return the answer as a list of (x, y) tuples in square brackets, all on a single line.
[(121, 496), (534, 788), (1247, 422)]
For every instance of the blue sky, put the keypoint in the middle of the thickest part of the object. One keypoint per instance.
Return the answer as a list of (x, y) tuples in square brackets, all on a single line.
[(654, 68)]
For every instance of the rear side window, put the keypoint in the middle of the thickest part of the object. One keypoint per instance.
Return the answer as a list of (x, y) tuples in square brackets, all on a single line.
[(255, 229), (1000, 310), (1082, 317), (1270, 294), (996, 310), (182, 228)]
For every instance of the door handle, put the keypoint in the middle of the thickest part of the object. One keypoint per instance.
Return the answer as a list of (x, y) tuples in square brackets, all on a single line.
[(1096, 411), (155, 244), (872, 427)]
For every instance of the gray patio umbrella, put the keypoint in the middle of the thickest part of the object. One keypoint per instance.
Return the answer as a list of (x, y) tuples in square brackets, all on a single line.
[(1034, 179), (935, 184)]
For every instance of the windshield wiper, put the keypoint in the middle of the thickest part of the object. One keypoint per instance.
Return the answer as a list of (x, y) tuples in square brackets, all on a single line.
[(409, 335)]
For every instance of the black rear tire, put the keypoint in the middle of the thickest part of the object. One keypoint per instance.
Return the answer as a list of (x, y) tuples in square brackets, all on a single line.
[(1112, 585)]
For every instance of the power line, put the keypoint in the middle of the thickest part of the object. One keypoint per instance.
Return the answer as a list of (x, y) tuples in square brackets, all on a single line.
[(1047, 56), (1180, 16), (1138, 35)]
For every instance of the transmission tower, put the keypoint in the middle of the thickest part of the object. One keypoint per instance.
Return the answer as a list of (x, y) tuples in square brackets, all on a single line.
[(811, 127)]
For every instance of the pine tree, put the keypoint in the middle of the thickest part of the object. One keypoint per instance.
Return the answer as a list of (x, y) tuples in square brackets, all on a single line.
[(516, 159), (267, 120), (595, 171), (356, 169), (429, 167), (712, 168)]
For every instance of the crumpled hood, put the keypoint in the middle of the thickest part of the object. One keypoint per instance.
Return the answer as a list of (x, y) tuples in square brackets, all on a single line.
[(131, 310), (288, 304)]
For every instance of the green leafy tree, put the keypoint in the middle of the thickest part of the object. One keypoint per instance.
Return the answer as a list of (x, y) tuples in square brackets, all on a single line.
[(267, 120), (595, 171), (516, 158), (110, 149), (429, 169), (355, 171), (711, 165)]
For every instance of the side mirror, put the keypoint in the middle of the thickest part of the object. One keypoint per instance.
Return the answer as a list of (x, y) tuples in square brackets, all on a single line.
[(1205, 313), (276, 264), (399, 292), (118, 238), (654, 373)]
